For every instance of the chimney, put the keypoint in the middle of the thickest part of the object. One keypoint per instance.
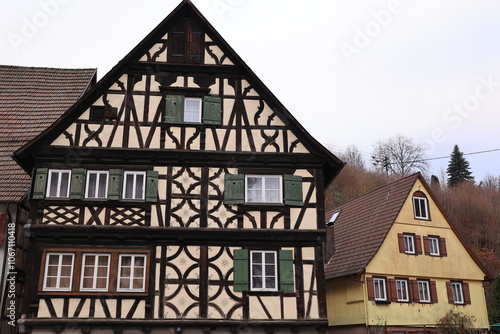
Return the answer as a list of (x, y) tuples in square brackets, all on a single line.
[(330, 236)]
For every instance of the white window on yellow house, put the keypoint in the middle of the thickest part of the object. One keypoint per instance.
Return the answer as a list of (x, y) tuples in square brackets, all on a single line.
[(380, 289), (420, 206), (402, 290), (424, 292), (409, 240), (457, 290)]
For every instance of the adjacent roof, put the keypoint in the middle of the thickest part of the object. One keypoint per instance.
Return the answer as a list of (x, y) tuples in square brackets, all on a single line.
[(362, 226), (31, 99), (332, 165)]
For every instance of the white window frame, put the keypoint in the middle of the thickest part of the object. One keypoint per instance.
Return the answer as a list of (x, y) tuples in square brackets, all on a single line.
[(424, 291), (434, 246), (402, 290), (99, 175), (263, 193), (131, 277), (58, 190), (409, 241), (94, 276), (199, 110), (134, 186), (457, 292), (423, 206), (380, 289), (263, 274), (58, 275)]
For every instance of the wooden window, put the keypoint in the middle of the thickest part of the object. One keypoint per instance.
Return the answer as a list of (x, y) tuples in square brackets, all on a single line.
[(186, 43), (97, 184), (181, 109), (133, 185), (402, 292), (131, 272), (58, 275), (90, 271), (458, 293), (258, 270), (263, 189), (95, 272), (420, 206), (58, 183)]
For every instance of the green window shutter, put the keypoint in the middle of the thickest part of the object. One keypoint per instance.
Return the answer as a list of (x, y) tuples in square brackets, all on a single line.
[(234, 189), (286, 270), (151, 186), (174, 109), (115, 184), (240, 274), (40, 183), (77, 185), (293, 190), (212, 110)]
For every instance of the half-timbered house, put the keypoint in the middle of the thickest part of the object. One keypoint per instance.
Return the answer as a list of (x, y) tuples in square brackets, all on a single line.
[(31, 98), (178, 195)]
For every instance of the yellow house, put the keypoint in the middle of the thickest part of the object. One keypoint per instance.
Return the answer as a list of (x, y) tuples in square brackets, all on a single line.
[(398, 264)]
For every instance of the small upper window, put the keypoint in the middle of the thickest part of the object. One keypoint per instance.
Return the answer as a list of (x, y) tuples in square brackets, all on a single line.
[(420, 206), (97, 184), (134, 185), (263, 189), (192, 110), (58, 183)]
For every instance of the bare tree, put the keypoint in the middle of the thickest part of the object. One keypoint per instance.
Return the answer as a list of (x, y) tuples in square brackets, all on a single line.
[(400, 155), (352, 156)]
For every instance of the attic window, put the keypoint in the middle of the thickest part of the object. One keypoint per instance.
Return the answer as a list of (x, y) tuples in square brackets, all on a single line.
[(332, 220), (98, 113), (420, 206), (186, 43)]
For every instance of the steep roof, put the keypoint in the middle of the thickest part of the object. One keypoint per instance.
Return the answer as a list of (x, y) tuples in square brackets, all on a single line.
[(332, 165), (31, 99), (362, 226)]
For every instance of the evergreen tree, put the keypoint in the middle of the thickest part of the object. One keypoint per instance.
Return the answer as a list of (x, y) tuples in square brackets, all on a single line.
[(458, 168)]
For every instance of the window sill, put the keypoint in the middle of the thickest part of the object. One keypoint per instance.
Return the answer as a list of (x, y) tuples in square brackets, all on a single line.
[(382, 302)]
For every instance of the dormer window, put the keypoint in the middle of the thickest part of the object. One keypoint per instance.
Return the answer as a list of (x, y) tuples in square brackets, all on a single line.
[(420, 206)]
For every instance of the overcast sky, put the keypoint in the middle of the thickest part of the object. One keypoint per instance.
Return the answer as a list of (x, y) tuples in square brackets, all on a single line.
[(353, 72)]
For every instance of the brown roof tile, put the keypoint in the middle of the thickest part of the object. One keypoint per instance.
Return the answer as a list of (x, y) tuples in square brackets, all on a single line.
[(31, 99), (362, 226)]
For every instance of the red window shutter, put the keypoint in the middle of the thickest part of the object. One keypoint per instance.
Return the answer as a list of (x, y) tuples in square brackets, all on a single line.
[(371, 290), (3, 222), (427, 249), (434, 296), (418, 245), (393, 295), (465, 287), (401, 242), (442, 247), (449, 291), (414, 291), (195, 44)]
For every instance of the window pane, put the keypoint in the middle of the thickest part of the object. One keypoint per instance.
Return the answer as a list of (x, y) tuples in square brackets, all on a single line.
[(269, 258), (52, 270), (64, 184), (257, 270), (50, 282), (254, 183), (272, 183), (192, 110), (64, 282), (272, 196), (102, 283), (129, 186), (54, 181), (139, 186), (138, 272), (92, 185), (137, 283), (254, 195), (270, 283), (124, 283), (256, 257), (103, 185), (87, 283), (66, 270)]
